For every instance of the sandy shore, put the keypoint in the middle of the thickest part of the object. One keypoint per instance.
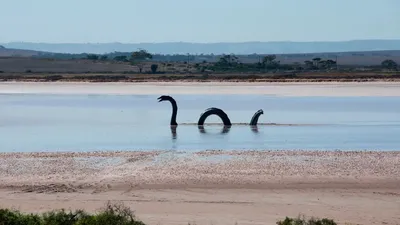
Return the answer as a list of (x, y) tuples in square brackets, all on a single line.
[(209, 187), (171, 88)]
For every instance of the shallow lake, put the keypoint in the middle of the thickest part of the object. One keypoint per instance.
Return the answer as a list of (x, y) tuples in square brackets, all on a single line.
[(39, 122)]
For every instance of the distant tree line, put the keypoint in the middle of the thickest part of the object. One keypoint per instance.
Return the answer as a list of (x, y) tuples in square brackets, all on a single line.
[(232, 63), (221, 63), (265, 64)]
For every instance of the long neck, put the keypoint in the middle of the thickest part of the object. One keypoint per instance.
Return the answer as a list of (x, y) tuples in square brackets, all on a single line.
[(174, 112)]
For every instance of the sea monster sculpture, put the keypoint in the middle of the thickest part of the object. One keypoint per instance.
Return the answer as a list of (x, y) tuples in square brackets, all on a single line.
[(174, 108), (214, 111), (254, 119), (208, 112)]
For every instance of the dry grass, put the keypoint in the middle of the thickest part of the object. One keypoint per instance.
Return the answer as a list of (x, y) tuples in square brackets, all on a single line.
[(35, 65)]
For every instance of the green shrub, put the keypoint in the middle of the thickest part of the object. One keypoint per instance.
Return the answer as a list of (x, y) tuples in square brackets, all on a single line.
[(8, 217), (112, 214), (303, 221)]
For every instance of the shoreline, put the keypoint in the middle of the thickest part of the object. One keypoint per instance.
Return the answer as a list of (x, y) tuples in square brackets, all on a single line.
[(206, 88), (244, 187), (244, 80), (251, 77), (209, 168)]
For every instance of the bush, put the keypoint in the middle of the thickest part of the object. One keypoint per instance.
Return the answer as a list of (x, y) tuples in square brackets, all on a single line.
[(154, 68), (121, 58), (111, 214), (303, 221), (103, 57), (92, 57)]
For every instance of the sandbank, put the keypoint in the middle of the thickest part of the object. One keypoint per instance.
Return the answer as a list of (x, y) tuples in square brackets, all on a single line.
[(206, 88)]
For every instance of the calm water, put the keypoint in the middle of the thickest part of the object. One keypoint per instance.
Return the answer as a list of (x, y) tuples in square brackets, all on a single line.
[(113, 122)]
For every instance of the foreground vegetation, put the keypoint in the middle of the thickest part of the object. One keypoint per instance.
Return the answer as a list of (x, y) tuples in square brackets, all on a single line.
[(112, 214), (304, 221)]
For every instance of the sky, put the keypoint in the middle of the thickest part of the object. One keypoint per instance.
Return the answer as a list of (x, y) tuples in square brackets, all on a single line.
[(203, 21)]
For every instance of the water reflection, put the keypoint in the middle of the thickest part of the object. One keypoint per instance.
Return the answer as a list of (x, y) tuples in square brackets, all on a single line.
[(173, 132), (224, 130), (202, 130), (254, 129)]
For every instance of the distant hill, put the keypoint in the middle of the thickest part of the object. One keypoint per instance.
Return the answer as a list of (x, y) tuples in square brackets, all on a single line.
[(10, 52), (214, 48)]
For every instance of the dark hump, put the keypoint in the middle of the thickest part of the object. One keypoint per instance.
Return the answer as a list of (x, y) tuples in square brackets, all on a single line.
[(214, 111)]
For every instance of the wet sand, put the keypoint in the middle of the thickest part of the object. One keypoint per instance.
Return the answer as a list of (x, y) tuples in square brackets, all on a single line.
[(209, 187), (171, 88)]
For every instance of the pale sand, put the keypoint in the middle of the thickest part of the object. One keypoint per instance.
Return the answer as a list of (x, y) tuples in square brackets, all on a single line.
[(171, 88), (247, 187)]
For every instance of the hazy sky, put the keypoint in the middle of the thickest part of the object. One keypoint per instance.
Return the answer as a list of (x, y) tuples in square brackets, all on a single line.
[(134, 21)]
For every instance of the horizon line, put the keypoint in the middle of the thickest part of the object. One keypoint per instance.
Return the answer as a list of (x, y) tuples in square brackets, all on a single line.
[(188, 42)]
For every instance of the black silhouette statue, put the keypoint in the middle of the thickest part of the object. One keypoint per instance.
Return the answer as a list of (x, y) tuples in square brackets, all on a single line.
[(211, 111), (208, 112), (254, 119), (214, 111), (174, 108)]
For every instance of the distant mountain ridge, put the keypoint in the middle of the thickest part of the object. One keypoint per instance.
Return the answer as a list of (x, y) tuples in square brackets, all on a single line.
[(284, 47), (10, 52)]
